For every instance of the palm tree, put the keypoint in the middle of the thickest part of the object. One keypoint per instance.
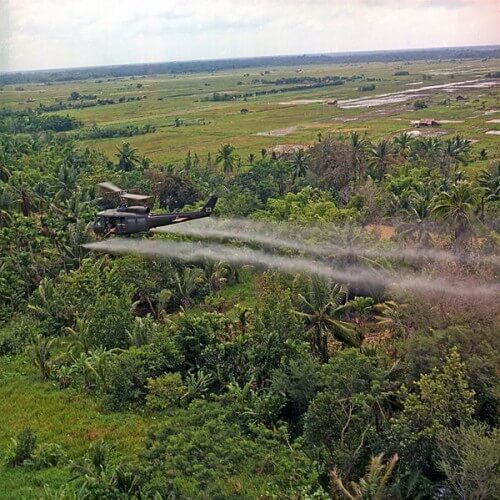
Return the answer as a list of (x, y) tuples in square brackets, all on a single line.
[(187, 283), (457, 206), (216, 274), (6, 203), (321, 307), (428, 150), (226, 156), (40, 353), (390, 316), (299, 164), (489, 180), (380, 158), (418, 228), (372, 486), (455, 151), (4, 172), (66, 182), (142, 331), (358, 145), (97, 364), (42, 195), (127, 157), (402, 145)]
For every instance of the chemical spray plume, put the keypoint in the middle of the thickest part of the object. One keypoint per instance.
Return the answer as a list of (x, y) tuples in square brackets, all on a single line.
[(286, 235), (192, 252)]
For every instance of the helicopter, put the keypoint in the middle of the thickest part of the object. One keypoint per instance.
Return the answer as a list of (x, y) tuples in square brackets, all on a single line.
[(126, 219)]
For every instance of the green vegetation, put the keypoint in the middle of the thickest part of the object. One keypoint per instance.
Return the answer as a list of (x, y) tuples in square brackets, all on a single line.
[(159, 378)]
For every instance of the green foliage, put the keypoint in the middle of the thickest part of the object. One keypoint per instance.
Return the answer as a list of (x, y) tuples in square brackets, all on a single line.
[(308, 205), (48, 455), (428, 349), (22, 448), (203, 450), (419, 104), (276, 335), (128, 373), (142, 331), (98, 476), (238, 393), (321, 307), (469, 458), (127, 157), (227, 157), (443, 400), (343, 420), (367, 87), (59, 302), (297, 382), (40, 352), (17, 333), (20, 122), (373, 485), (193, 334), (457, 206), (165, 391), (107, 321)]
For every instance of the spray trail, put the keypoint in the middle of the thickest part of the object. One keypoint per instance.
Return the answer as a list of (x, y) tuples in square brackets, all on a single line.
[(282, 235), (235, 255)]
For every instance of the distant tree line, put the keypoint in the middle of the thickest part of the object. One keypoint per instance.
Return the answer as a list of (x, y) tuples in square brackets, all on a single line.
[(228, 64), (225, 96), (21, 122), (111, 132), (331, 80)]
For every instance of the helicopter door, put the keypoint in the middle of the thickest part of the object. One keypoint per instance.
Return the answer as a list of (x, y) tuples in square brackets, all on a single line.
[(120, 225)]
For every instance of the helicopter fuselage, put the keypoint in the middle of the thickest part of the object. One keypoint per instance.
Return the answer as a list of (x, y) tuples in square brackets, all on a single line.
[(138, 219)]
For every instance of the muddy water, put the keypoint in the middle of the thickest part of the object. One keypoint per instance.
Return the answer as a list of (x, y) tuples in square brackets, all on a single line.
[(405, 95)]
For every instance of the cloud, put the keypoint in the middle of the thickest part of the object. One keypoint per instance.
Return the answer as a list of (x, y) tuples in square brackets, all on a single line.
[(61, 33)]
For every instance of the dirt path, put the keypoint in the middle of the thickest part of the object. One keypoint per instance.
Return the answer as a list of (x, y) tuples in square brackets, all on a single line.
[(280, 132)]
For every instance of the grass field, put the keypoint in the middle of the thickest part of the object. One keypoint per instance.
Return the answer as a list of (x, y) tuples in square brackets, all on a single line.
[(288, 116), (69, 419)]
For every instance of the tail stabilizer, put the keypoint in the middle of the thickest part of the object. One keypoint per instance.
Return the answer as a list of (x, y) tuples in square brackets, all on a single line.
[(209, 207)]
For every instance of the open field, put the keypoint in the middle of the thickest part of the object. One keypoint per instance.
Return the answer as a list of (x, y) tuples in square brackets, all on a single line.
[(289, 117)]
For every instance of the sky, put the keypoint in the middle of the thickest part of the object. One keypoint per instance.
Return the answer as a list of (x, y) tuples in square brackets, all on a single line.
[(41, 34)]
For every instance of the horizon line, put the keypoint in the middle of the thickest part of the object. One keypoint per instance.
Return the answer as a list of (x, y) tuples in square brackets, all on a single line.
[(210, 59)]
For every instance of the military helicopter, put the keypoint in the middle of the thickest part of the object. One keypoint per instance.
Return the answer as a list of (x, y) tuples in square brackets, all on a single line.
[(138, 219)]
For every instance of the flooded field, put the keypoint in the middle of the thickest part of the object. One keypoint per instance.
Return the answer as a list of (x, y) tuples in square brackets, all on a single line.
[(406, 95)]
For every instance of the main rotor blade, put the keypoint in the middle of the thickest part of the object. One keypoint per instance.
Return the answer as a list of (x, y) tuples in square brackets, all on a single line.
[(110, 187), (132, 196)]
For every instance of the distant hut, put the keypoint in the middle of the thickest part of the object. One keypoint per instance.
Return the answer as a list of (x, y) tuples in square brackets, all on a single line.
[(425, 122), (286, 150)]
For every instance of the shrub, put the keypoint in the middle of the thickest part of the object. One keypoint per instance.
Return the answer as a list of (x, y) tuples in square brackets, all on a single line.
[(16, 334), (165, 391), (469, 459), (129, 372), (23, 447), (419, 104), (366, 88), (108, 320), (48, 455)]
